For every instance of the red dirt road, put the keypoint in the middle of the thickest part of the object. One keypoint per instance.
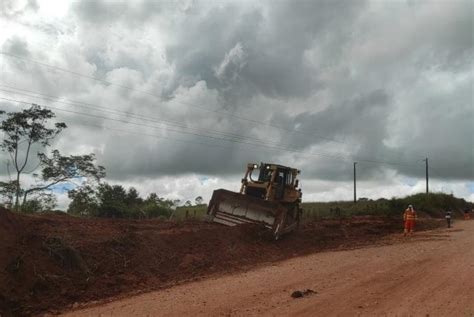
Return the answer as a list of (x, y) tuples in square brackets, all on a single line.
[(429, 274)]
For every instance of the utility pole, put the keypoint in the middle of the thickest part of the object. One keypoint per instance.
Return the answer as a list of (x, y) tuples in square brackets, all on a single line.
[(427, 176), (355, 188)]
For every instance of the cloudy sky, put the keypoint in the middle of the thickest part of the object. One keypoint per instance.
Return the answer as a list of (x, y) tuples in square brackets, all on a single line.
[(175, 97)]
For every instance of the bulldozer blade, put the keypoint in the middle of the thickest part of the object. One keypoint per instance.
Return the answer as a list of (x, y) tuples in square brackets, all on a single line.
[(230, 208)]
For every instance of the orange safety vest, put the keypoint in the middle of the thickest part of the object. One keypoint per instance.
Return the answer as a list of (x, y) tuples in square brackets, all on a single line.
[(409, 214)]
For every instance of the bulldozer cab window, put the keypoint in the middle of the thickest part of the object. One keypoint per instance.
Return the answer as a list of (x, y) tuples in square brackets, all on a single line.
[(284, 178), (289, 179), (280, 181), (265, 175)]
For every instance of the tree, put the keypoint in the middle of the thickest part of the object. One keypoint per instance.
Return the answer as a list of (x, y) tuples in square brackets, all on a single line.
[(154, 206), (111, 200), (83, 201), (23, 130), (43, 202), (114, 201), (8, 191), (59, 169), (132, 198), (29, 129), (188, 203), (198, 200)]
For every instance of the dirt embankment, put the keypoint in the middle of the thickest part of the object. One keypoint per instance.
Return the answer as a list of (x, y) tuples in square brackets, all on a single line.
[(49, 262), (428, 274)]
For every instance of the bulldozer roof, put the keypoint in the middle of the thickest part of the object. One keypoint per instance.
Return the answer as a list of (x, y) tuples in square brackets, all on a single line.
[(272, 165)]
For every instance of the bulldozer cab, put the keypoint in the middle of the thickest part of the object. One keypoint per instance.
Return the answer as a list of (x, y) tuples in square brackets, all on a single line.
[(268, 195), (274, 182)]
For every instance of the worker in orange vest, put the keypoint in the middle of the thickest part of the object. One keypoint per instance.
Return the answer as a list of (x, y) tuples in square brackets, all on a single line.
[(409, 217)]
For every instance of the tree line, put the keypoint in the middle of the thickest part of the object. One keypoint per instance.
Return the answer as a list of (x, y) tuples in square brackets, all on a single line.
[(27, 138), (114, 201)]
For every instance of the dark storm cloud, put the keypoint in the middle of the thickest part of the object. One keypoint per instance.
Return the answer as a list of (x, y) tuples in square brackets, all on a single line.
[(349, 119), (16, 46), (452, 47), (272, 40), (357, 127), (106, 12), (100, 11)]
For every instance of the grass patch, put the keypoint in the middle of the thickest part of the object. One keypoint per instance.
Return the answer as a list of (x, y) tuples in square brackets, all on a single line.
[(190, 212), (432, 204)]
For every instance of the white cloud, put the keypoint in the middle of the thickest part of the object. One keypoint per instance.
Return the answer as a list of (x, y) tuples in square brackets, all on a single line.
[(232, 64)]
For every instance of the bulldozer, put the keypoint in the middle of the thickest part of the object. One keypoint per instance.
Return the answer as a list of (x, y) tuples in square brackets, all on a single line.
[(269, 196)]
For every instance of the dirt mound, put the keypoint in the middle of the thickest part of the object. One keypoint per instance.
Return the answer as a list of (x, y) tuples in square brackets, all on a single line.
[(299, 294), (49, 262)]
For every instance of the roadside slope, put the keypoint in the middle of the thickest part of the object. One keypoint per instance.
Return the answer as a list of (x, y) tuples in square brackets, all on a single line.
[(431, 274)]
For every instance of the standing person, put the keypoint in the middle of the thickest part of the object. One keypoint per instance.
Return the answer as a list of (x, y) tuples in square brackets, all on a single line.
[(409, 217), (448, 217)]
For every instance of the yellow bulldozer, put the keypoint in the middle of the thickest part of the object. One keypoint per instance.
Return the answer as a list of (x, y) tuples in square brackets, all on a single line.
[(270, 198)]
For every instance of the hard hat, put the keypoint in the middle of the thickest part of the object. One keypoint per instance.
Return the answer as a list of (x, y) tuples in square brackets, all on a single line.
[(410, 206)]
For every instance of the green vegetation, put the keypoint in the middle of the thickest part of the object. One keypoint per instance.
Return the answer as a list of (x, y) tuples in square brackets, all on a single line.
[(26, 135), (114, 201), (433, 204), (190, 212)]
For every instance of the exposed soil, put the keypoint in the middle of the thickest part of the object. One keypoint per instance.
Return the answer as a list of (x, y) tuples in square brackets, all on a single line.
[(427, 274), (50, 262)]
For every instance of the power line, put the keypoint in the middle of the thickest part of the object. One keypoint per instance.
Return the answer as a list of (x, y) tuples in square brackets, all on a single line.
[(174, 139), (344, 158), (177, 131), (146, 119), (121, 120), (259, 141), (147, 134), (436, 171), (225, 113), (128, 114)]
